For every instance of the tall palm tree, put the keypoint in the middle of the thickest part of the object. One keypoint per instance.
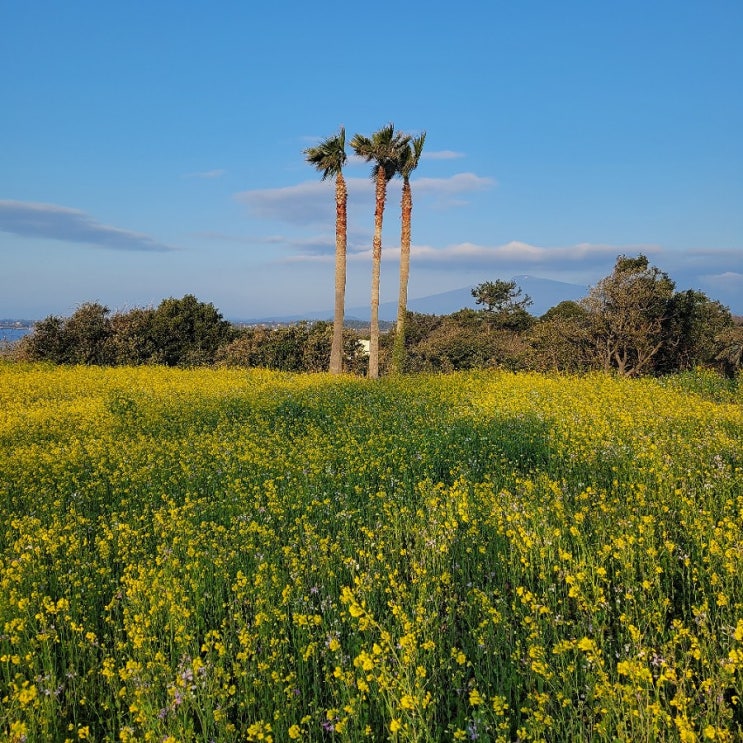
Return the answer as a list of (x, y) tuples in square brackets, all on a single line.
[(329, 158), (409, 159), (383, 148)]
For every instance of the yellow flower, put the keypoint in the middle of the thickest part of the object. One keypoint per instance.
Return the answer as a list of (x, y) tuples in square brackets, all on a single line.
[(18, 731), (499, 705), (475, 698), (395, 725), (355, 610), (27, 694), (295, 732)]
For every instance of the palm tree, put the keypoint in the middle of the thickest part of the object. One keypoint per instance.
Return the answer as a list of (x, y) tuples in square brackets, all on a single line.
[(410, 157), (329, 157), (384, 148)]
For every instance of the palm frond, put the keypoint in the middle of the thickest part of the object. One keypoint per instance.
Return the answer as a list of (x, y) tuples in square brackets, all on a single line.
[(384, 147), (410, 155), (362, 146), (329, 156), (418, 143)]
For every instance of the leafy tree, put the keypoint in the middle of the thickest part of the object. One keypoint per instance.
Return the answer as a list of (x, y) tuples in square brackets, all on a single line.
[(503, 304), (301, 347), (730, 349), (561, 339), (452, 347), (186, 332), (47, 342), (179, 332), (87, 331), (131, 341), (460, 341), (565, 310), (629, 310), (383, 148), (410, 156), (79, 339), (329, 157), (246, 350), (693, 323)]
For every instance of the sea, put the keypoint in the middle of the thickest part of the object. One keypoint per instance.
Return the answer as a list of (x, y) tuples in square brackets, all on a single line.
[(10, 335)]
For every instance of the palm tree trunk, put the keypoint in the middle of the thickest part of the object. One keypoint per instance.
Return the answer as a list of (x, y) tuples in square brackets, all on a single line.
[(398, 352), (336, 349), (381, 192)]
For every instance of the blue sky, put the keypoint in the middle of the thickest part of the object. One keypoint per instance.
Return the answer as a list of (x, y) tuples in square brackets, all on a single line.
[(155, 149)]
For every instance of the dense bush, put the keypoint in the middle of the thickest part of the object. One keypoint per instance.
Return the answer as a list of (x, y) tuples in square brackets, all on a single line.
[(302, 347), (179, 332)]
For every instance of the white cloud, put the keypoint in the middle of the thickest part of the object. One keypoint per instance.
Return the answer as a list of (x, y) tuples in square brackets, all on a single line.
[(240, 239), (726, 280), (52, 222), (515, 252), (583, 263), (514, 256), (295, 248), (313, 202)]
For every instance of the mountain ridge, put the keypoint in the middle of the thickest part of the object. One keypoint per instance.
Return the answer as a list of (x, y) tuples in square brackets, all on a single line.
[(545, 293)]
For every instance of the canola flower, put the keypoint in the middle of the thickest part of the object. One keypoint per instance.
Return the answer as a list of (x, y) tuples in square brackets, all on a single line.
[(229, 555)]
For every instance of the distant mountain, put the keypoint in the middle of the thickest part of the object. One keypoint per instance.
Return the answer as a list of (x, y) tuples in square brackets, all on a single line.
[(545, 293), (435, 304)]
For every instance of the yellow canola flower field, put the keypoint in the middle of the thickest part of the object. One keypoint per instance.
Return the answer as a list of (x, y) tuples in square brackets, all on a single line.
[(231, 555)]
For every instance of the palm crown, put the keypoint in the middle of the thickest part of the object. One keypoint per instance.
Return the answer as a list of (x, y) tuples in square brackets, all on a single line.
[(411, 155), (384, 147), (329, 156)]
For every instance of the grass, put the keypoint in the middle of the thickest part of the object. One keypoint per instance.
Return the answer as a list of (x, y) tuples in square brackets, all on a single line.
[(228, 555)]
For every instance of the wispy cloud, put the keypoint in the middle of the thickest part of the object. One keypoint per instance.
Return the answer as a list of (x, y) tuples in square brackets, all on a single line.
[(216, 173), (52, 222), (441, 155), (312, 202), (307, 203), (514, 256), (523, 255), (291, 248), (239, 239), (726, 281), (321, 249), (459, 183)]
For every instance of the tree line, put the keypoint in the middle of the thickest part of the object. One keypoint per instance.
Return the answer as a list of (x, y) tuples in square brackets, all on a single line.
[(633, 322), (184, 333)]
